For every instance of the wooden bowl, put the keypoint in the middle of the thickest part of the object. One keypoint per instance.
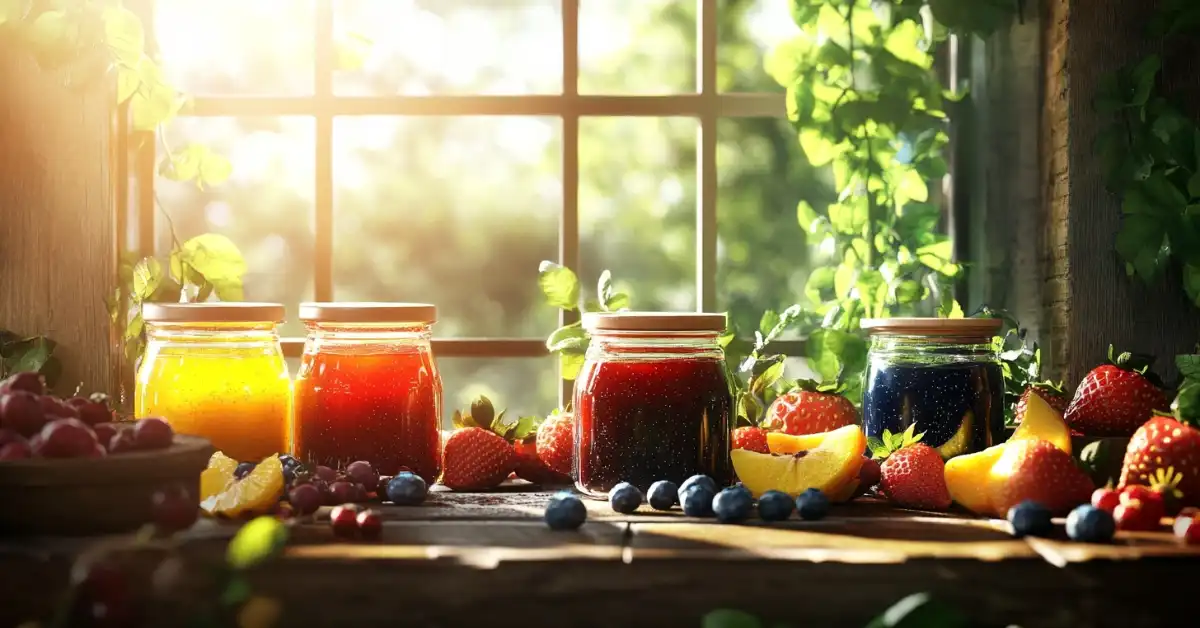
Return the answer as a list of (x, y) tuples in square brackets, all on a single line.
[(82, 496)]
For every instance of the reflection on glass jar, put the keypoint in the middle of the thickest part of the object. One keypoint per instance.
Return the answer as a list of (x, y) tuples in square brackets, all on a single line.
[(368, 388), (941, 375), (652, 401), (216, 370)]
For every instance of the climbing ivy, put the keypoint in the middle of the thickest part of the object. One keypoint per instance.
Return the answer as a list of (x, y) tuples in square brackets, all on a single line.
[(1151, 158)]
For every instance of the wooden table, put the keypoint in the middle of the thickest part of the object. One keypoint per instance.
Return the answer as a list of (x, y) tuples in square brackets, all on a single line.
[(487, 559)]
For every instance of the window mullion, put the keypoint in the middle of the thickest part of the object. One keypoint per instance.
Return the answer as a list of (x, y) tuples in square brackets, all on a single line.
[(323, 96), (706, 157), (568, 229)]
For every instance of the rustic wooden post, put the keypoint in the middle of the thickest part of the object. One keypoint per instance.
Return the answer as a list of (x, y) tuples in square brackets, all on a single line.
[(58, 227), (1090, 301)]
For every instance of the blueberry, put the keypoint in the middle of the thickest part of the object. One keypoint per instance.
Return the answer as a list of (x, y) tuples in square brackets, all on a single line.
[(1029, 518), (288, 460), (697, 480), (663, 495), (243, 469), (697, 501), (407, 489), (1090, 525), (732, 504), (812, 504), (565, 511), (775, 506), (625, 498)]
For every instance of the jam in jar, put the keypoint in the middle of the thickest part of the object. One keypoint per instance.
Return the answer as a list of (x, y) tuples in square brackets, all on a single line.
[(942, 375), (217, 370), (652, 401), (368, 388)]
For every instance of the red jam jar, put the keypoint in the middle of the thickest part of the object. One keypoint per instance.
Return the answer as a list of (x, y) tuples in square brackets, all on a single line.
[(368, 388), (652, 402)]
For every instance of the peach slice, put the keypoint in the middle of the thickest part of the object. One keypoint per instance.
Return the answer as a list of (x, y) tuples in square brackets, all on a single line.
[(829, 467), (967, 478), (1043, 422), (780, 443)]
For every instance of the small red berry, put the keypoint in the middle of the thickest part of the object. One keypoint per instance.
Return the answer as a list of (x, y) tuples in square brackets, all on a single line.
[(869, 475), (1106, 499), (1191, 535), (344, 520), (1180, 525), (1151, 500), (153, 433), (1134, 515), (370, 526), (174, 509), (16, 450)]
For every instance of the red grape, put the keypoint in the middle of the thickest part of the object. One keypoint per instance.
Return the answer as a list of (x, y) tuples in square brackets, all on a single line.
[(21, 412), (326, 474), (15, 450), (104, 598), (28, 382), (343, 520), (122, 442), (174, 509), (344, 492), (65, 438), (98, 451), (94, 413), (76, 401), (305, 498), (54, 407), (152, 433), (370, 525), (9, 436), (361, 472), (104, 432)]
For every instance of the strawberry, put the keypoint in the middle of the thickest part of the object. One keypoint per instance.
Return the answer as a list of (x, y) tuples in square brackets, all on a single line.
[(914, 474), (810, 409), (1116, 399), (751, 439), (474, 456), (523, 437), (1050, 392), (1159, 452), (556, 442), (1038, 471)]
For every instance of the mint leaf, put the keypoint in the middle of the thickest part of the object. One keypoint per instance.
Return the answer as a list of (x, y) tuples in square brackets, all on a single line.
[(559, 284), (570, 364), (1188, 365), (147, 275), (569, 338), (768, 377)]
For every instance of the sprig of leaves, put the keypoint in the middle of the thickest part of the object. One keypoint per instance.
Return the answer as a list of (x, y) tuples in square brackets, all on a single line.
[(561, 289), (1186, 405), (890, 443), (19, 354), (1151, 158)]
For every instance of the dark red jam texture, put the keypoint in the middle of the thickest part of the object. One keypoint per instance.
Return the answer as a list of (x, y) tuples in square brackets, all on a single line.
[(384, 408), (640, 422)]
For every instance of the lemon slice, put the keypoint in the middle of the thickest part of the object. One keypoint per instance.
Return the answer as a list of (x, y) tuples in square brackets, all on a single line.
[(217, 476), (258, 492)]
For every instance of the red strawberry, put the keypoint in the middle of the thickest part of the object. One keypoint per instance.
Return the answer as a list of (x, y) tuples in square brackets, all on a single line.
[(1136, 515), (914, 477), (530, 466), (1050, 392), (751, 439), (556, 442), (810, 409), (1038, 471), (476, 459), (1115, 399), (1159, 451)]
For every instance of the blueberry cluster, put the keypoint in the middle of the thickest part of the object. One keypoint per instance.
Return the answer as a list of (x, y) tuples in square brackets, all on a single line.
[(1086, 523)]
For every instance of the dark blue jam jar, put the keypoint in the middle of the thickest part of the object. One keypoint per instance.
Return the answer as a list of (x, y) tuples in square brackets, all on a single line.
[(942, 375)]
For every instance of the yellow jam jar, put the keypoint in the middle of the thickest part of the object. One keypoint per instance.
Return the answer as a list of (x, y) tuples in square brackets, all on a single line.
[(217, 370)]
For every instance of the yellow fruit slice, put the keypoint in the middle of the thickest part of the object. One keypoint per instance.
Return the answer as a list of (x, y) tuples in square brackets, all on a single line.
[(829, 467), (780, 443), (1043, 422), (217, 476), (258, 492), (967, 478), (960, 442)]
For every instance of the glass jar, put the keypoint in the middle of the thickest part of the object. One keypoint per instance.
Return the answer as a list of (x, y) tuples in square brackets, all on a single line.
[(368, 388), (942, 375), (216, 370), (652, 401)]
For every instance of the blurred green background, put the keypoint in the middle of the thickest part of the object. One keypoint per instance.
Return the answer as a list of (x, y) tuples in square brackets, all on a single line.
[(458, 211)]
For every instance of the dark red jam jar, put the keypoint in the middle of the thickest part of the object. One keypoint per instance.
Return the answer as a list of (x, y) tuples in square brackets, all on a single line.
[(368, 388), (652, 401)]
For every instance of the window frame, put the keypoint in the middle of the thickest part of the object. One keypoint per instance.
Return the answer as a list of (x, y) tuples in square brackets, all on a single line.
[(706, 105)]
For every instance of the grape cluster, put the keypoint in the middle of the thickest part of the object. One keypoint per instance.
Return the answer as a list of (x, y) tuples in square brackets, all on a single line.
[(308, 488), (35, 424)]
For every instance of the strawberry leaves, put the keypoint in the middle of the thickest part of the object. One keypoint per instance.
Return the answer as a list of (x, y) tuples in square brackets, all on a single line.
[(890, 443), (1137, 362), (481, 414), (1186, 406)]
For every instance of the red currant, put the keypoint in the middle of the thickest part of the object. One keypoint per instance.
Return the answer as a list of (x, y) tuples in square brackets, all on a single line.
[(1134, 515), (370, 525), (1106, 499), (344, 520)]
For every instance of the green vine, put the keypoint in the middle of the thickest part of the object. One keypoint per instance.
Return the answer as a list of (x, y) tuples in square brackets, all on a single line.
[(561, 289), (1151, 157)]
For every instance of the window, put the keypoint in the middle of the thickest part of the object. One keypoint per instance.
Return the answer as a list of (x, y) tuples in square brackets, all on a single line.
[(437, 150)]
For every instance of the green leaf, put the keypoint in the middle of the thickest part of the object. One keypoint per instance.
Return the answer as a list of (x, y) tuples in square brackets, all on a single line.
[(155, 101), (1194, 185), (911, 187), (1191, 283), (769, 320), (571, 338), (1144, 75), (351, 51), (1141, 242), (570, 364), (908, 291), (196, 162), (767, 378), (559, 284), (28, 355), (919, 610), (807, 217), (937, 255), (124, 36), (147, 275), (13, 10), (819, 149), (819, 282), (729, 618), (258, 541), (129, 79), (215, 257), (54, 38), (1188, 365), (236, 592), (843, 280)]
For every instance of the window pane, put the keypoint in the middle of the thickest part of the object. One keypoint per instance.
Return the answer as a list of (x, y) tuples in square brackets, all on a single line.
[(747, 30), (453, 211), (637, 46), (762, 253), (637, 208), (413, 47), (231, 47), (522, 386), (266, 206)]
